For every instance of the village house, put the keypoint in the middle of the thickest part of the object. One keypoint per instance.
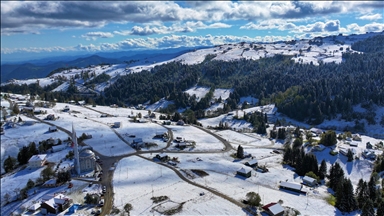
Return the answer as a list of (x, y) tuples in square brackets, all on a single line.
[(58, 148), (37, 161), (316, 131), (51, 117), (245, 172), (309, 181), (55, 205), (356, 137), (34, 207), (253, 163), (162, 157), (274, 209)]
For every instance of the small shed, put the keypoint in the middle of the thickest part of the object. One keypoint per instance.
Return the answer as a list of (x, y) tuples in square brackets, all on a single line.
[(52, 129), (117, 124), (369, 154), (244, 171), (253, 163), (309, 181), (274, 209)]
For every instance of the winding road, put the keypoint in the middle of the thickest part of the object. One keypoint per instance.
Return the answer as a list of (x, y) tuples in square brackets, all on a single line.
[(109, 163)]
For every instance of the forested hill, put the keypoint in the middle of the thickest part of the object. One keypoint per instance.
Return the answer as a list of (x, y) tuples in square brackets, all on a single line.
[(302, 91)]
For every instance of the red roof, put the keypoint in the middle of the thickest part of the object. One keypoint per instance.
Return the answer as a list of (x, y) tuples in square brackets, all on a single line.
[(266, 207)]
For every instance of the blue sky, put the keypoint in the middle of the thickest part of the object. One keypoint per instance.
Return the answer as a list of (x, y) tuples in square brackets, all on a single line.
[(40, 28)]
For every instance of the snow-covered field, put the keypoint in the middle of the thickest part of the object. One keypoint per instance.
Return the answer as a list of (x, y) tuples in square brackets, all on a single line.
[(204, 141), (142, 180)]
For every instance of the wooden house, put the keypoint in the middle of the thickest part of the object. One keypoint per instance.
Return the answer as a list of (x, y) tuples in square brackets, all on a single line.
[(245, 172)]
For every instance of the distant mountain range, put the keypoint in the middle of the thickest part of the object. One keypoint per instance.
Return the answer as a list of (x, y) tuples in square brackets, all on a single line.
[(42, 67)]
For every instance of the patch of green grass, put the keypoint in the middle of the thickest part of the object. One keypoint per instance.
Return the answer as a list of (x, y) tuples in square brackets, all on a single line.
[(331, 200)]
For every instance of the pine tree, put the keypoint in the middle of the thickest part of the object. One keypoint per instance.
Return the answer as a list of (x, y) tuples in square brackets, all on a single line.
[(372, 189), (350, 155), (240, 152), (9, 164), (380, 208), (368, 209), (345, 200), (336, 174), (323, 169)]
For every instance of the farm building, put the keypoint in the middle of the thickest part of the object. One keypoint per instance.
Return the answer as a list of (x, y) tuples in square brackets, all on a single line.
[(274, 209), (52, 129), (369, 154), (292, 187), (162, 156), (253, 163), (309, 181), (50, 183), (37, 161), (58, 148), (244, 171)]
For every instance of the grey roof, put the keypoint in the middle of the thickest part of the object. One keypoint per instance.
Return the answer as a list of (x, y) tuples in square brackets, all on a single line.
[(253, 162), (244, 170), (308, 179), (276, 209), (291, 185)]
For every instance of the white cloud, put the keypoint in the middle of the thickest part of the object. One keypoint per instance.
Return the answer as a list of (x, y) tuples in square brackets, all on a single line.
[(371, 17), (371, 27), (96, 35), (283, 25), (28, 16), (175, 28)]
